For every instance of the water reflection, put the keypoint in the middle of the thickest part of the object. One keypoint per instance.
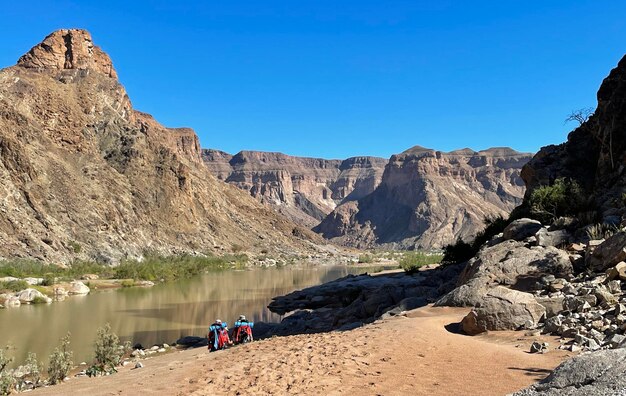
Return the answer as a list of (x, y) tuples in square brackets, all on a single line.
[(162, 313)]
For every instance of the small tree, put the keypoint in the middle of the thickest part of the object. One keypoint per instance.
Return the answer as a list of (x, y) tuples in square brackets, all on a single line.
[(580, 116), (60, 361), (33, 368)]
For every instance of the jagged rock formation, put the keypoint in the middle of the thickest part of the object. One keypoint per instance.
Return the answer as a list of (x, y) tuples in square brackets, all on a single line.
[(594, 154), (429, 198), (304, 189), (83, 175)]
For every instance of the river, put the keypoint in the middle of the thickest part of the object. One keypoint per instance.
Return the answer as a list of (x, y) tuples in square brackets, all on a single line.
[(159, 314)]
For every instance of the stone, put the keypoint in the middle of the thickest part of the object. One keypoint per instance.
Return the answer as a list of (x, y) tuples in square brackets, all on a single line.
[(608, 254), (615, 340), (521, 229), (539, 347), (78, 287), (552, 238), (161, 350), (503, 309), (33, 281), (29, 296), (90, 277), (553, 305), (605, 296), (618, 271), (138, 365), (60, 291), (552, 324)]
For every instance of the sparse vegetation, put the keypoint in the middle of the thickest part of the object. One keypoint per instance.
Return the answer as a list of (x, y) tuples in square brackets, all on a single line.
[(75, 246), (60, 362), (601, 231), (109, 352), (413, 261), (563, 198), (580, 116), (13, 286), (7, 381), (366, 258), (463, 251)]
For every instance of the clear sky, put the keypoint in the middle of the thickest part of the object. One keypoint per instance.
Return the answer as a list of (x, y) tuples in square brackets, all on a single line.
[(341, 78)]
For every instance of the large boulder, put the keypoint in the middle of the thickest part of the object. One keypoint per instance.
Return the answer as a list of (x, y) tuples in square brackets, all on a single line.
[(29, 296), (503, 309), (509, 263), (552, 238), (609, 253), (521, 229), (597, 373), (78, 287)]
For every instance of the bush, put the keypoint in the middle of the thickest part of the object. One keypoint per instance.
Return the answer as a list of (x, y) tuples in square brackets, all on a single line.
[(32, 372), (366, 258), (563, 198), (413, 261), (128, 283), (13, 286), (109, 352), (462, 251), (60, 362), (7, 381)]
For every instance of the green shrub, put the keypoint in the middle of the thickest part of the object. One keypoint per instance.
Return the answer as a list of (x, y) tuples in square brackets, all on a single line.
[(32, 369), (563, 198), (366, 258), (40, 300), (76, 248), (236, 248), (109, 352), (413, 261), (7, 381), (13, 286), (128, 283), (60, 362)]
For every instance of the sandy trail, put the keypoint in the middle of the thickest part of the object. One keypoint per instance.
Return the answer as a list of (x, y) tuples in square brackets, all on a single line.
[(404, 355)]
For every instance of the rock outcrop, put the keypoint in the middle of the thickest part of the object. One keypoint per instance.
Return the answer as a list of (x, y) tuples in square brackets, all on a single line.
[(594, 154), (429, 198), (303, 189), (85, 176)]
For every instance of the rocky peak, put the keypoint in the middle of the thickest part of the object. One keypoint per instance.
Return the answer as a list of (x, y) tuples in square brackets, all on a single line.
[(68, 49)]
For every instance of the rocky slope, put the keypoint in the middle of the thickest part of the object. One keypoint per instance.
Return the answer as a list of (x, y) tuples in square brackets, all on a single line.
[(429, 198), (84, 175), (303, 189), (594, 154)]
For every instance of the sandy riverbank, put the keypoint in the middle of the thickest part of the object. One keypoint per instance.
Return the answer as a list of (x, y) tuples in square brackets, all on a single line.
[(403, 355)]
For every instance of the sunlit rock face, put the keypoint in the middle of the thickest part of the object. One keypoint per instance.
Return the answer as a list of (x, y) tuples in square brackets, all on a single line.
[(80, 167), (428, 198), (303, 189)]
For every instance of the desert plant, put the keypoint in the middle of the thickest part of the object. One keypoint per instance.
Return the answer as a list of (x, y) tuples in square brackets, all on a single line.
[(109, 352), (564, 197), (60, 362), (366, 258), (30, 371), (7, 381), (601, 231), (413, 261)]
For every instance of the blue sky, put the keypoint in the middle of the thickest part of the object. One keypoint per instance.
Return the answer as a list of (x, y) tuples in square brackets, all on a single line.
[(336, 79)]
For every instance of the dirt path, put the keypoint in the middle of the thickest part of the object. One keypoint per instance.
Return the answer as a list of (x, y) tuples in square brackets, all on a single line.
[(405, 355)]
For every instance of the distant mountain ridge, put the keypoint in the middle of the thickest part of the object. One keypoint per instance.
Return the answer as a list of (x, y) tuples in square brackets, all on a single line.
[(419, 198)]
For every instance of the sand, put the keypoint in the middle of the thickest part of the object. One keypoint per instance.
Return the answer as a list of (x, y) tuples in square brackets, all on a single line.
[(415, 355)]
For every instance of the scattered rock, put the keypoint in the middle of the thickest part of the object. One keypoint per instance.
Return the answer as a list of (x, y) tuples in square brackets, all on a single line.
[(539, 347), (78, 287), (608, 254), (521, 229), (138, 365)]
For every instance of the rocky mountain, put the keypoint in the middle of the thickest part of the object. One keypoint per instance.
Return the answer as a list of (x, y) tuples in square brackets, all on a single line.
[(428, 198), (594, 154), (304, 189), (85, 176)]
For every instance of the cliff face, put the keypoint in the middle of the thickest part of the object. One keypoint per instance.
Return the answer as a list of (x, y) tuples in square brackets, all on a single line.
[(428, 198), (594, 154), (304, 189), (79, 166)]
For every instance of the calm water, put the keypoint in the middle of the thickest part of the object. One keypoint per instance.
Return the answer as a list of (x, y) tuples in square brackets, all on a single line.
[(159, 314)]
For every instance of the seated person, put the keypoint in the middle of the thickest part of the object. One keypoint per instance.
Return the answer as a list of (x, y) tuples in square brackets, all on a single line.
[(218, 336), (242, 332)]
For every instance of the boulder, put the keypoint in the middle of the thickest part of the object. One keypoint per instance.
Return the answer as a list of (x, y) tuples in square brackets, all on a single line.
[(552, 238), (552, 305), (503, 309), (597, 373), (28, 296), (608, 254), (33, 281), (617, 272), (521, 229), (539, 347), (509, 263), (78, 287)]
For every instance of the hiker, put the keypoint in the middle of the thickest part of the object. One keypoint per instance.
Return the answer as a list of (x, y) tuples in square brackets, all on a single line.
[(218, 336), (242, 332)]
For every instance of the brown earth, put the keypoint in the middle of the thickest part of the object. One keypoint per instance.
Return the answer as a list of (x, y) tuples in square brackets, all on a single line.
[(403, 355), (85, 176)]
